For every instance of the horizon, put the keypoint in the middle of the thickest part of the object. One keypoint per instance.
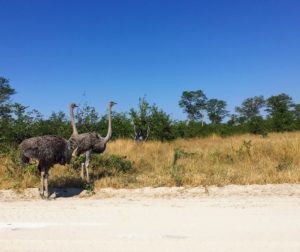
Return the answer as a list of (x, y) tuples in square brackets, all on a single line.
[(55, 53)]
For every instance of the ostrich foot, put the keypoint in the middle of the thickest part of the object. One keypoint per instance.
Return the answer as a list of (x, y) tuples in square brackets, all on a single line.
[(52, 196), (41, 192)]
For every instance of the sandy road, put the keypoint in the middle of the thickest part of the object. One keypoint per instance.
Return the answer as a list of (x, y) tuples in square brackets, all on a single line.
[(211, 223)]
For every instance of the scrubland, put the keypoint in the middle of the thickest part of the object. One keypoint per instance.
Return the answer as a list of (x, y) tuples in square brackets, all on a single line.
[(243, 159)]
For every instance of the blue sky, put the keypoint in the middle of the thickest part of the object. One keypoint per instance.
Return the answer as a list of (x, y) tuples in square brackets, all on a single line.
[(56, 52)]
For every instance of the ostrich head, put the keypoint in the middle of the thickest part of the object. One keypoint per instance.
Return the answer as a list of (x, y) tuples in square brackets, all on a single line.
[(73, 105), (111, 103)]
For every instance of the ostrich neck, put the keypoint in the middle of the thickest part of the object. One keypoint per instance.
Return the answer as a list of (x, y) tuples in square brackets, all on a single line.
[(75, 132), (109, 132)]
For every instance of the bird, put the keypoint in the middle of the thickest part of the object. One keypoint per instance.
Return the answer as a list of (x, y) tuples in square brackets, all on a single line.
[(48, 150), (90, 142)]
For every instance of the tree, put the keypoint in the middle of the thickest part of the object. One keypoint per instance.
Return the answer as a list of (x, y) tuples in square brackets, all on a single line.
[(257, 126), (234, 120), (280, 112), (251, 107), (21, 125), (87, 118), (121, 125), (193, 103), (297, 111), (6, 91), (150, 121), (281, 103), (141, 120), (56, 124), (160, 124), (216, 110), (297, 116)]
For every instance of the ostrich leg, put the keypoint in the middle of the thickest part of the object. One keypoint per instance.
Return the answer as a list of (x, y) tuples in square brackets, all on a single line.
[(42, 183), (86, 164), (46, 184), (82, 171)]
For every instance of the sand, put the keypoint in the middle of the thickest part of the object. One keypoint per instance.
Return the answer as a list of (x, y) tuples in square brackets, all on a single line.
[(231, 218)]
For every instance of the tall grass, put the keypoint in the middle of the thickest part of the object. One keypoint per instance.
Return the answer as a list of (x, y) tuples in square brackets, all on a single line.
[(244, 159)]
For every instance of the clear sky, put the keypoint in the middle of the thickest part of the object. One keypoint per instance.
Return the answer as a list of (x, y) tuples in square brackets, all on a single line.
[(58, 51)]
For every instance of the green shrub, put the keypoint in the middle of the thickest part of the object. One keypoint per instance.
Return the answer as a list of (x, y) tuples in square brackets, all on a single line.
[(112, 163), (284, 165)]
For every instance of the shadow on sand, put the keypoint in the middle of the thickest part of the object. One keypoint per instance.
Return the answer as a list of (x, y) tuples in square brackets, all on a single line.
[(64, 192)]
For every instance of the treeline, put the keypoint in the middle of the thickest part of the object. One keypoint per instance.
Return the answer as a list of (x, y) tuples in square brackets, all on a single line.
[(205, 116)]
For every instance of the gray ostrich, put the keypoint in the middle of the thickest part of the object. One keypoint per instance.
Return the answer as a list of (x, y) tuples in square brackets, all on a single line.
[(90, 142), (48, 150)]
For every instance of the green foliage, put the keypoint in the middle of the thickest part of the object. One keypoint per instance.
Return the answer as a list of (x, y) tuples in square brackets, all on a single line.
[(21, 126), (257, 125), (122, 127), (160, 124), (141, 119), (112, 163), (150, 119), (177, 171), (251, 107), (297, 111), (18, 122), (57, 124), (87, 118), (193, 103), (216, 110), (89, 186), (6, 91), (280, 112), (285, 165), (279, 104), (281, 122), (194, 129)]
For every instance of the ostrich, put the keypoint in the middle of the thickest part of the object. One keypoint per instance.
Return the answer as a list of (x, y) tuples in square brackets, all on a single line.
[(74, 138), (89, 142), (48, 150)]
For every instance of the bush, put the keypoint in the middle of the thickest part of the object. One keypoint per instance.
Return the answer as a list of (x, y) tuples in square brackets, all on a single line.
[(257, 126), (112, 163)]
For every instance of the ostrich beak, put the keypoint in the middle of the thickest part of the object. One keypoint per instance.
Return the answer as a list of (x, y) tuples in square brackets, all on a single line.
[(113, 103), (73, 105)]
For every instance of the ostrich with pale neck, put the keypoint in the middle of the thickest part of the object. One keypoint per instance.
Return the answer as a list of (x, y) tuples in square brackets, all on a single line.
[(90, 142)]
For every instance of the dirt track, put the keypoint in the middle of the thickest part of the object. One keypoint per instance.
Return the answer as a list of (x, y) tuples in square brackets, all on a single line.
[(234, 218)]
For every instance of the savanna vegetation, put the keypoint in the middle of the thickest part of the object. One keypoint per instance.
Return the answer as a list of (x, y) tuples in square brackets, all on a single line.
[(260, 143), (242, 159)]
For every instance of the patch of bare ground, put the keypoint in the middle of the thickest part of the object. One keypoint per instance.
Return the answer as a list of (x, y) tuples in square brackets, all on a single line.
[(231, 218), (276, 190)]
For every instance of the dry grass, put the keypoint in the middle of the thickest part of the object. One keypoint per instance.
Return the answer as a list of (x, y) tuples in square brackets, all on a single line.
[(246, 159)]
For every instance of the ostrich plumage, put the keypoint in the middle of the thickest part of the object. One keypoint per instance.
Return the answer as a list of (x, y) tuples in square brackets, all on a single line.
[(48, 150), (90, 142)]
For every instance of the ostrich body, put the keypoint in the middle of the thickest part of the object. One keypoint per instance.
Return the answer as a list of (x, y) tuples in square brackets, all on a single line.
[(48, 150), (90, 142)]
